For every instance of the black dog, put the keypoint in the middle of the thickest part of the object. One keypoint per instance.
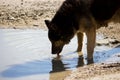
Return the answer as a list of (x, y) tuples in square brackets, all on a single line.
[(78, 17)]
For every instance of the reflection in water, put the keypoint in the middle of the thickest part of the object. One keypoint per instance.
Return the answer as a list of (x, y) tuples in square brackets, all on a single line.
[(57, 66), (29, 52), (39, 67), (59, 69), (80, 61)]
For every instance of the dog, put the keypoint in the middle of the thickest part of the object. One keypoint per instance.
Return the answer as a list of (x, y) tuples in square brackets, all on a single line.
[(78, 17)]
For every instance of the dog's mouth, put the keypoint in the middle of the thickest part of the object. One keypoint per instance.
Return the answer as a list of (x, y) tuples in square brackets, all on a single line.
[(57, 50)]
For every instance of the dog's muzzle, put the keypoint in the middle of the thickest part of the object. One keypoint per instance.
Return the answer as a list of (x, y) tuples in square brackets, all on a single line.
[(56, 50)]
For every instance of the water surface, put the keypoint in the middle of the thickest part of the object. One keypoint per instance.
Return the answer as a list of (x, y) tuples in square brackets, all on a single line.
[(26, 55)]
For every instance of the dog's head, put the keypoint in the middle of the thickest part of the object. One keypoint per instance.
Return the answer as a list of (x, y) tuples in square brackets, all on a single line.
[(57, 38)]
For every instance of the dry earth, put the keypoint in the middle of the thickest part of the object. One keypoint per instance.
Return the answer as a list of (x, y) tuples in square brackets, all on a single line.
[(26, 13), (23, 14)]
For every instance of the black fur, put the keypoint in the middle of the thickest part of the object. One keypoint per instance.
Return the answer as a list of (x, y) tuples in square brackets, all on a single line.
[(104, 9), (65, 23)]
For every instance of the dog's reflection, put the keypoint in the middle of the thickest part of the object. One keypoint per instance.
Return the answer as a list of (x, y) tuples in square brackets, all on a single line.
[(80, 61), (60, 69), (57, 65)]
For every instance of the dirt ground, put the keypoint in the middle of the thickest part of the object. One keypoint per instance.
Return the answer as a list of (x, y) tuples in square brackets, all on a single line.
[(26, 13), (30, 14)]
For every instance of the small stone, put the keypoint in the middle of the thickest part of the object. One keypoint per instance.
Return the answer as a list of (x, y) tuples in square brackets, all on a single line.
[(40, 14), (11, 18), (118, 55), (14, 27), (36, 25), (114, 41)]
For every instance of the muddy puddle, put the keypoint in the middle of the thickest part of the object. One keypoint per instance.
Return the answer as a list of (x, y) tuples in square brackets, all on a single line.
[(25, 55)]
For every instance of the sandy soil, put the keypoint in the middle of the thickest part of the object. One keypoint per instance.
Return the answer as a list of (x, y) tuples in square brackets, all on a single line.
[(31, 14), (97, 72), (26, 13)]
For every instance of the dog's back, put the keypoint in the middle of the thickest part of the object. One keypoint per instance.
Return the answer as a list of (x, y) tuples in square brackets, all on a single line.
[(103, 10)]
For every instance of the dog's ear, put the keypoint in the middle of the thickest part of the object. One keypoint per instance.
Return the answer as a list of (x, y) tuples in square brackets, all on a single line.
[(50, 25), (47, 22)]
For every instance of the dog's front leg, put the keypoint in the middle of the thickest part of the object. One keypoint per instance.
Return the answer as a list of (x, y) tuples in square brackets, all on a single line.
[(80, 41), (91, 40)]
